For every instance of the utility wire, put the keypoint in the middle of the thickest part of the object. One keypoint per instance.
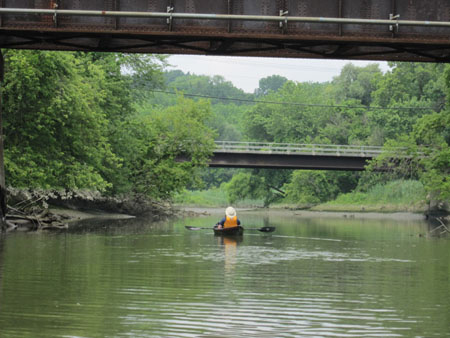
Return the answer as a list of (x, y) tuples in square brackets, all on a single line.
[(287, 103)]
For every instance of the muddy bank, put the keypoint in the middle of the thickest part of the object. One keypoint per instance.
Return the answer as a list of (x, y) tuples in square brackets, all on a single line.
[(49, 210), (93, 202), (307, 213), (77, 215)]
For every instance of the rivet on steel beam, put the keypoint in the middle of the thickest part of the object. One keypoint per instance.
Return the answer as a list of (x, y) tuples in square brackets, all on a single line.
[(391, 27), (170, 18)]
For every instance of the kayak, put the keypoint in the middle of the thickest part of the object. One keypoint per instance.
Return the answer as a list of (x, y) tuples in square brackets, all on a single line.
[(231, 231), (234, 231)]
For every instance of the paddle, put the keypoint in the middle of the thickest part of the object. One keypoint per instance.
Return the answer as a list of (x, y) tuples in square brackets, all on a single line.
[(263, 229)]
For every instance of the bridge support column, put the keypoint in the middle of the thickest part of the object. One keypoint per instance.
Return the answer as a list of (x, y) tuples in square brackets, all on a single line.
[(2, 164)]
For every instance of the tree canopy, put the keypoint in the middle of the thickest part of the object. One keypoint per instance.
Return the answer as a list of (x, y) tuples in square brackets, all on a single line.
[(72, 121), (118, 123)]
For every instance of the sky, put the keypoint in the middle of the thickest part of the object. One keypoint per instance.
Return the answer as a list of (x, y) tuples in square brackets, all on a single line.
[(245, 72)]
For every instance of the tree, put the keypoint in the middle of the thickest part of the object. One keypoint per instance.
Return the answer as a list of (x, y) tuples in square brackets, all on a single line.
[(391, 123), (150, 145), (356, 83), (214, 86), (55, 127), (257, 184), (313, 187), (433, 132), (309, 187), (270, 83), (408, 80), (295, 115), (71, 122), (244, 185)]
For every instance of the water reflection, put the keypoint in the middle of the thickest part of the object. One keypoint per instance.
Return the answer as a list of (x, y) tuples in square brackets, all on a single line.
[(229, 244)]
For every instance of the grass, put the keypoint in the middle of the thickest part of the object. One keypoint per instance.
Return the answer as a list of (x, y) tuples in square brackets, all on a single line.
[(211, 198), (401, 195)]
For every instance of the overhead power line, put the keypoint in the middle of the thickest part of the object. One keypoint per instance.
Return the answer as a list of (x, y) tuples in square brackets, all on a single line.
[(287, 103)]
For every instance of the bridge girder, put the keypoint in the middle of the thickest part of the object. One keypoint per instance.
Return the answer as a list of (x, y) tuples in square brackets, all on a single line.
[(333, 29), (288, 161)]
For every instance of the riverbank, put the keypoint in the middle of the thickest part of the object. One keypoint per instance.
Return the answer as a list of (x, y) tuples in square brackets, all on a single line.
[(418, 208), (54, 210), (396, 196), (72, 215), (206, 211)]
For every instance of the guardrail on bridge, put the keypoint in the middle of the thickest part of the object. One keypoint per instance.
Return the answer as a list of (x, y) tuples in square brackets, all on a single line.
[(297, 149)]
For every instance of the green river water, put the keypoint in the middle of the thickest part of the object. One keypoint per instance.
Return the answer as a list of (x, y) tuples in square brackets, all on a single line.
[(314, 276)]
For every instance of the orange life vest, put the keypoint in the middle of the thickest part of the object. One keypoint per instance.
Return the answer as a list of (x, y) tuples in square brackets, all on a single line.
[(230, 222)]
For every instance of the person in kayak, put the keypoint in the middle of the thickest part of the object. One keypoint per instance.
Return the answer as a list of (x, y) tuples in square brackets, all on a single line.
[(230, 220)]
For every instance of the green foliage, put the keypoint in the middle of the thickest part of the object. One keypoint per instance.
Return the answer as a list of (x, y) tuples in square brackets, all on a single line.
[(411, 92), (391, 124), (205, 198), (423, 154), (55, 127), (215, 86), (407, 81), (313, 187), (409, 87), (356, 83), (70, 122), (213, 177), (244, 185), (228, 115), (433, 131), (150, 144), (227, 121), (258, 184), (91, 120), (310, 123), (145, 72), (215, 197), (270, 83), (285, 122), (309, 187), (395, 192), (345, 125)]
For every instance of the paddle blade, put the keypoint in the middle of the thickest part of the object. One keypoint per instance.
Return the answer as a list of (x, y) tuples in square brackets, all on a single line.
[(267, 229), (193, 228)]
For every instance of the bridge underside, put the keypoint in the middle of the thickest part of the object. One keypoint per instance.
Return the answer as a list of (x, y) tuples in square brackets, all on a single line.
[(118, 25), (280, 161)]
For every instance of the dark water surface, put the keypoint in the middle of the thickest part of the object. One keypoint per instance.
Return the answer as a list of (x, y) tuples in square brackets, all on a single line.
[(312, 277)]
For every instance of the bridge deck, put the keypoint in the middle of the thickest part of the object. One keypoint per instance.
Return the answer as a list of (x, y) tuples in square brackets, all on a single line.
[(400, 30), (292, 156)]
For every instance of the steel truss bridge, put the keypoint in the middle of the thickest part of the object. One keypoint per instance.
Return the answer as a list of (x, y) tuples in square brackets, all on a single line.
[(292, 156), (398, 30)]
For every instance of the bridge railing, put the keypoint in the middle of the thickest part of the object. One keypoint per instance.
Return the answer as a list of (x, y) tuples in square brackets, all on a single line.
[(300, 149)]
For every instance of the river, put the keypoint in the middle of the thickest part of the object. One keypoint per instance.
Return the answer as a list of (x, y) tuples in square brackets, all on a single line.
[(315, 276)]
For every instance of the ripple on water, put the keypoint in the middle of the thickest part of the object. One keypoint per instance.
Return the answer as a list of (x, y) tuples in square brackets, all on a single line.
[(166, 282), (254, 315)]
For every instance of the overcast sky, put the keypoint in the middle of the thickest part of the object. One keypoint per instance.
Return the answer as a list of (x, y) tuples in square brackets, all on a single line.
[(245, 72)]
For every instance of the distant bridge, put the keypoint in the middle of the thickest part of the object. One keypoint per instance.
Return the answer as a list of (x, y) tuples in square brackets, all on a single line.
[(292, 156), (397, 30)]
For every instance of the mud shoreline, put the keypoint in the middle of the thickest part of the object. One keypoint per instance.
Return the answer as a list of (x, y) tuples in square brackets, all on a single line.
[(406, 216), (78, 215)]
